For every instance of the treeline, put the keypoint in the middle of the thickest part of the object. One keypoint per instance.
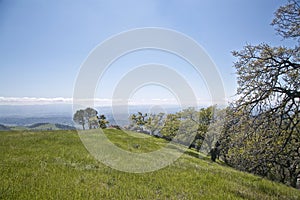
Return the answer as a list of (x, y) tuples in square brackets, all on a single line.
[(188, 127), (263, 143)]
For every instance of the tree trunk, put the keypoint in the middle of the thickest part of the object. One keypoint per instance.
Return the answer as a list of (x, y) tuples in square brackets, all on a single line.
[(294, 182)]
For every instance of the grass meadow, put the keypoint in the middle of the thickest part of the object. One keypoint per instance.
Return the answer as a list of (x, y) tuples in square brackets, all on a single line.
[(56, 165)]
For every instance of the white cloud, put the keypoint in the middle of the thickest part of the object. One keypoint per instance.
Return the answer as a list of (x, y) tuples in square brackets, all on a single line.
[(33, 100), (96, 101)]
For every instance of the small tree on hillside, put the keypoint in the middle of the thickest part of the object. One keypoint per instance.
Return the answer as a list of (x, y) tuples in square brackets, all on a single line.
[(154, 123), (79, 118), (171, 126), (102, 121), (138, 121), (86, 116), (90, 114)]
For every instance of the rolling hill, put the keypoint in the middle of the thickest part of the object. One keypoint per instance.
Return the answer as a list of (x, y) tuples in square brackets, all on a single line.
[(56, 165), (37, 127), (4, 128)]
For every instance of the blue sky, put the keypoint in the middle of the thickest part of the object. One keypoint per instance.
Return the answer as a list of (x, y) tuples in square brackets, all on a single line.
[(43, 43)]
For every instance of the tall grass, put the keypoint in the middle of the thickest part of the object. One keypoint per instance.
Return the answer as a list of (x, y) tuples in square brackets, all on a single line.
[(56, 165)]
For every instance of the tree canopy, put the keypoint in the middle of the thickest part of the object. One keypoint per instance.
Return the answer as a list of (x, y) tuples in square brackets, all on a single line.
[(90, 116), (287, 20), (262, 131), (187, 127)]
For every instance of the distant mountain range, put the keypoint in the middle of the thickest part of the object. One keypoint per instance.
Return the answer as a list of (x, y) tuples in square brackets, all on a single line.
[(4, 128), (38, 126)]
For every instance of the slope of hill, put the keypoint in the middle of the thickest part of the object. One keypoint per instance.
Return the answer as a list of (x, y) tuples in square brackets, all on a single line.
[(56, 165)]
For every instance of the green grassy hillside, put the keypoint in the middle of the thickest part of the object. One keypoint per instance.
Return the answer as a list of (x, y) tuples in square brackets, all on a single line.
[(56, 165)]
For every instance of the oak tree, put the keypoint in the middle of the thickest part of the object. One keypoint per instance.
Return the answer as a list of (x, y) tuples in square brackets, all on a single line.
[(263, 129)]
